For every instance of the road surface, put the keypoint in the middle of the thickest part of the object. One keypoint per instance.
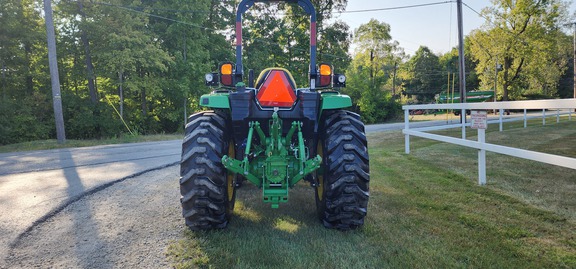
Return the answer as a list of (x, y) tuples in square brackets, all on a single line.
[(35, 185)]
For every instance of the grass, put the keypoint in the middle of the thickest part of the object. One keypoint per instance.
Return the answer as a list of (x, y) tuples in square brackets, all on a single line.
[(425, 211), (53, 144)]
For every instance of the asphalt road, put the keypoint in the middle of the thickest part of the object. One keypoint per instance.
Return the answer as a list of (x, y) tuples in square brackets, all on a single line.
[(35, 185)]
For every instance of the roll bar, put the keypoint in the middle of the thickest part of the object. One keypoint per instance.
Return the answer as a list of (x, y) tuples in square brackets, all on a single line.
[(308, 8)]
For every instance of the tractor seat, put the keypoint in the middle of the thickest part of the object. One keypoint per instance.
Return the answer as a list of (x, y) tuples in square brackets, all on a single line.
[(265, 72)]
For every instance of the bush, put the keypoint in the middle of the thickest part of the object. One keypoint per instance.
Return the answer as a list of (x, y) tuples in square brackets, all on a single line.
[(84, 120), (25, 120)]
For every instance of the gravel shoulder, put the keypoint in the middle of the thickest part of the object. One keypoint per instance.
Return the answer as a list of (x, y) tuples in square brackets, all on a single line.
[(129, 224)]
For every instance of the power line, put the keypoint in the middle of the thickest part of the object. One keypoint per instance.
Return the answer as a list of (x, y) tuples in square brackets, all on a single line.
[(479, 14), (279, 14), (139, 10), (205, 28), (394, 8), (153, 15), (159, 9)]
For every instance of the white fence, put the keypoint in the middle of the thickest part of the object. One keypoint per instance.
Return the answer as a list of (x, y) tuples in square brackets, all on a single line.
[(481, 144)]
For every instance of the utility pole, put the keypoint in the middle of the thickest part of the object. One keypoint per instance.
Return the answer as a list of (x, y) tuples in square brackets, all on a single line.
[(574, 82), (462, 73), (495, 81), (54, 76), (497, 67)]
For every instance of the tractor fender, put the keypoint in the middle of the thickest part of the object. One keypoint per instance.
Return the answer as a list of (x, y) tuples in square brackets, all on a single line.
[(215, 100), (334, 100)]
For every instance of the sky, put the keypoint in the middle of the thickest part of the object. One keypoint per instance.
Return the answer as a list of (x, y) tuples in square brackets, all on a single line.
[(433, 26)]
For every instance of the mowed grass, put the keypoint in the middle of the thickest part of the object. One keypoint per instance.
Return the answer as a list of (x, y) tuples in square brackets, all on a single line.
[(425, 211)]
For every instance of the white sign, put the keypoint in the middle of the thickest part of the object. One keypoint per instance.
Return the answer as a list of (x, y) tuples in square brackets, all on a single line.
[(479, 119)]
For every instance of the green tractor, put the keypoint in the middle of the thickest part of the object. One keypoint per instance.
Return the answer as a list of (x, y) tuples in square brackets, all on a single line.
[(273, 134)]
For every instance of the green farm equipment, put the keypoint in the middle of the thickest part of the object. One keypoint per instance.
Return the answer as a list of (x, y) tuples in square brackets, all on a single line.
[(272, 134), (471, 97)]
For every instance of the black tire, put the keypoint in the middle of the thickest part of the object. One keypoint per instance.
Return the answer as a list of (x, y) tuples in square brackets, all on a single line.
[(342, 183), (207, 189)]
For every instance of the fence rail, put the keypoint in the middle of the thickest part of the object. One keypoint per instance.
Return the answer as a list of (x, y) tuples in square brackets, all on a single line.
[(481, 144)]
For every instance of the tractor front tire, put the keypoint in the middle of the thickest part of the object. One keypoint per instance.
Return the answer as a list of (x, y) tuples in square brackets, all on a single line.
[(342, 184), (207, 190)]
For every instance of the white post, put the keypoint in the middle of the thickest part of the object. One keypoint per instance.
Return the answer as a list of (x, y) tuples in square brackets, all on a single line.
[(570, 114), (525, 119), (481, 158), (407, 127), (463, 119), (543, 116), (557, 115), (501, 115)]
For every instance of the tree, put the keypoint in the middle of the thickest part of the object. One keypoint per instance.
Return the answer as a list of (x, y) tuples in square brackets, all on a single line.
[(133, 57), (284, 40), (450, 66), (22, 48), (371, 74), (522, 35), (423, 75), (24, 81)]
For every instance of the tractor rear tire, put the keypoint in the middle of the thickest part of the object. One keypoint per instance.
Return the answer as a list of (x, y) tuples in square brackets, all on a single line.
[(342, 185), (207, 188)]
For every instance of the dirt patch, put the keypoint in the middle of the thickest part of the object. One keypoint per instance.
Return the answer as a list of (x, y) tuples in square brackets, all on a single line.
[(129, 225)]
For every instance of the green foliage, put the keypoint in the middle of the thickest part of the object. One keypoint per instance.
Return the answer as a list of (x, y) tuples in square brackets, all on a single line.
[(423, 75), (525, 37), (84, 120), (284, 41), (371, 74), (374, 104), (23, 60), (28, 119), (450, 66), (154, 57)]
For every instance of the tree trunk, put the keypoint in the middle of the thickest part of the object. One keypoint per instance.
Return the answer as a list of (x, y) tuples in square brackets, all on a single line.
[(121, 95), (506, 84), (372, 66), (394, 80), (3, 81), (29, 79), (88, 56), (143, 102)]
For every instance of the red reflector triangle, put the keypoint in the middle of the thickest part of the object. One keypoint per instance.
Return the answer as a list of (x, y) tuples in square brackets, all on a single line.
[(276, 91)]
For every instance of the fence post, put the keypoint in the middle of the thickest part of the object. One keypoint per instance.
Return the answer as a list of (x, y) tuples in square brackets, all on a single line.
[(501, 115), (481, 157), (463, 121), (407, 127), (543, 116), (525, 119), (557, 115)]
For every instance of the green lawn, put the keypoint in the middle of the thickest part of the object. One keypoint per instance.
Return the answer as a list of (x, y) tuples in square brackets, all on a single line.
[(426, 211)]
